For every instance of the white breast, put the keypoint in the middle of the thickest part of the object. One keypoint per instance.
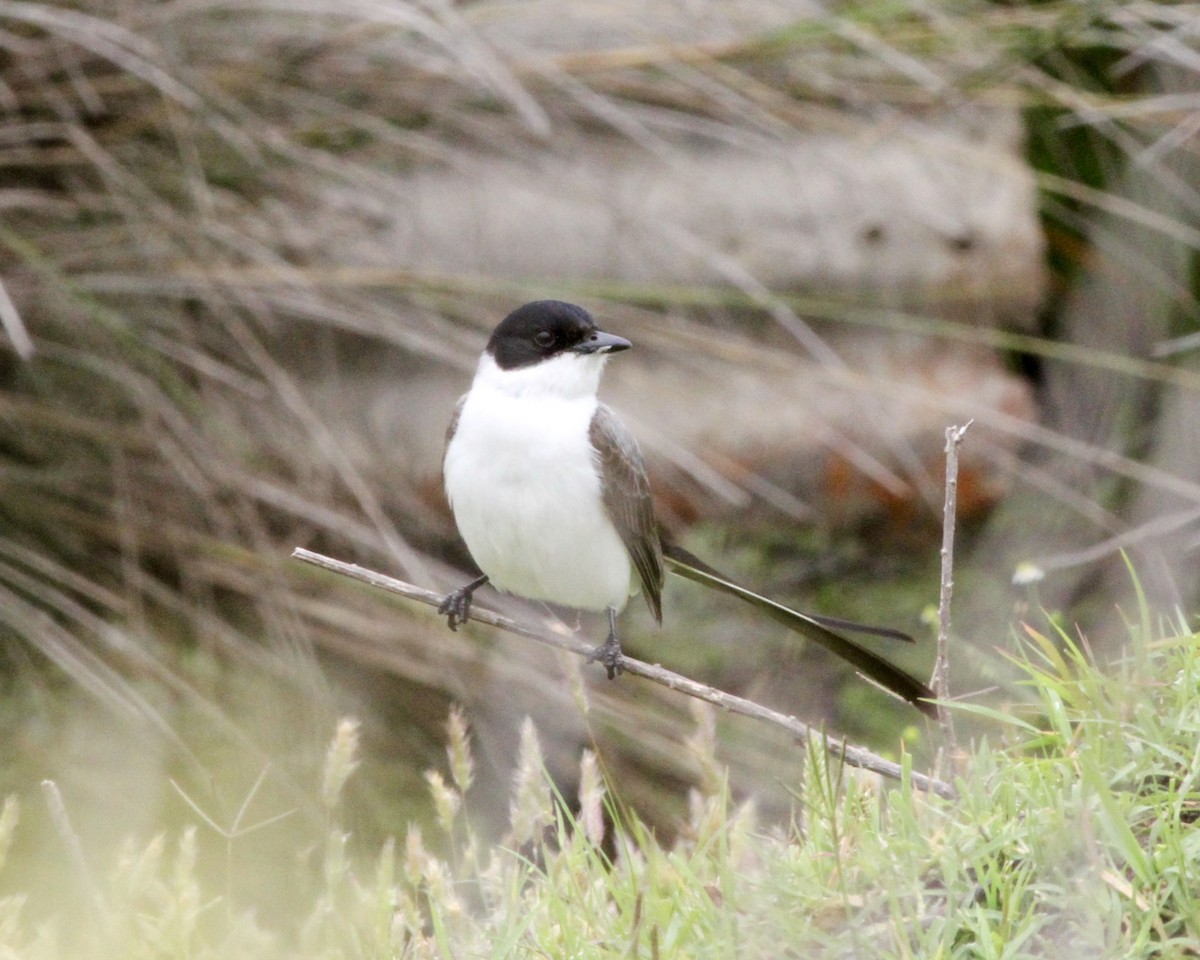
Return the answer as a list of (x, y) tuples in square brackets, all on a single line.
[(523, 483)]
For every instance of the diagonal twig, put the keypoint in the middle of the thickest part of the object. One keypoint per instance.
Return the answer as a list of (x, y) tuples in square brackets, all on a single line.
[(853, 755)]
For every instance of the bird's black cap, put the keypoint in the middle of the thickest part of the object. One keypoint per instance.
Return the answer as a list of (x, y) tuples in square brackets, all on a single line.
[(543, 329)]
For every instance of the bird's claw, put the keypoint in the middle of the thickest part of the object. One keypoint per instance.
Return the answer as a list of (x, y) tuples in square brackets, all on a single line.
[(609, 654), (456, 608)]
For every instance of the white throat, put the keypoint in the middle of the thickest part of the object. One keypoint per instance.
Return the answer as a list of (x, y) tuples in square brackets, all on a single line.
[(569, 376)]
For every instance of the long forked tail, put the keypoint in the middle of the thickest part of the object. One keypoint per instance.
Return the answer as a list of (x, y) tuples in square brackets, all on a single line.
[(815, 628)]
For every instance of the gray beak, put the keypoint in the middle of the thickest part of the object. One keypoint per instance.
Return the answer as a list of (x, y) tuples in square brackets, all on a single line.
[(600, 342)]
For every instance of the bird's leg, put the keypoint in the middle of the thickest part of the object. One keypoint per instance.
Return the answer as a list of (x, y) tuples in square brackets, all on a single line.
[(457, 605), (609, 652)]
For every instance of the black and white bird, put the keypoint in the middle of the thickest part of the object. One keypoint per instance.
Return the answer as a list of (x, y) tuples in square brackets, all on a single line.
[(551, 495)]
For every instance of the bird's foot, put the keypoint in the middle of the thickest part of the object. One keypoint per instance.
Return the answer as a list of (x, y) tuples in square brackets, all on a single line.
[(456, 608), (609, 654)]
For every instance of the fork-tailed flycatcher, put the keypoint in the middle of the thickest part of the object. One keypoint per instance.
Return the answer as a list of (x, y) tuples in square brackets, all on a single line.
[(550, 492)]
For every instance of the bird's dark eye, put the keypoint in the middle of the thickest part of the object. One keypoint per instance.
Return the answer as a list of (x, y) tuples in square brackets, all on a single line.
[(544, 338)]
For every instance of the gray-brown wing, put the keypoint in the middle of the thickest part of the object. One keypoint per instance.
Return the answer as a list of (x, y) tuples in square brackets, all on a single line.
[(627, 500), (453, 427)]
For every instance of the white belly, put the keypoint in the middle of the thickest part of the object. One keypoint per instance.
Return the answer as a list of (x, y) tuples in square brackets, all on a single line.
[(525, 491)]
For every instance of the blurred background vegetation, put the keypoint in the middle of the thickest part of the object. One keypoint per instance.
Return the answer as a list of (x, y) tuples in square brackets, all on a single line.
[(249, 252)]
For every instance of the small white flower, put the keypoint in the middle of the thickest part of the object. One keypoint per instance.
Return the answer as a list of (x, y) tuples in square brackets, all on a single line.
[(1026, 573)]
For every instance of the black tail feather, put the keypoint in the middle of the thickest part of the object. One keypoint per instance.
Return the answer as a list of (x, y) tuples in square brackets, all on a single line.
[(815, 628)]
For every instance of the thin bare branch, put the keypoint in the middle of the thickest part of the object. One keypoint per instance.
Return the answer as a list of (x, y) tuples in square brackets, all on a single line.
[(855, 756), (940, 681)]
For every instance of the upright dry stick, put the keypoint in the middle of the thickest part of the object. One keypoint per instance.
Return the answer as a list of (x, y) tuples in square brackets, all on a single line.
[(855, 756), (940, 681)]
